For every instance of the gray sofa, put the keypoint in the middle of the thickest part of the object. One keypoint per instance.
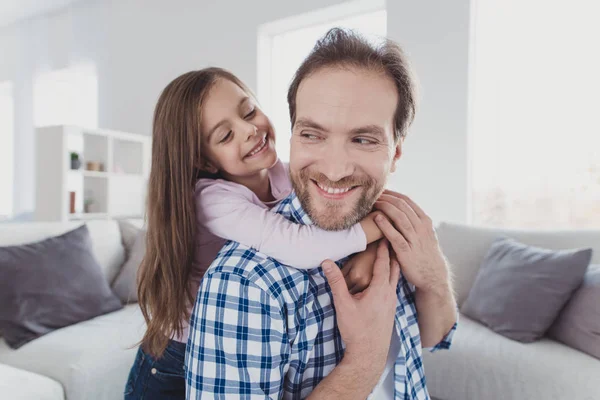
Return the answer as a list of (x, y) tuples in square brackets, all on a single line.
[(91, 360), (487, 366), (85, 361)]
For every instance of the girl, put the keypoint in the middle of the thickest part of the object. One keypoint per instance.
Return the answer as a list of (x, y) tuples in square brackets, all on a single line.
[(214, 177)]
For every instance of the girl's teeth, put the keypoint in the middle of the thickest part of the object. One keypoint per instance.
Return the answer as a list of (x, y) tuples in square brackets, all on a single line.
[(264, 141)]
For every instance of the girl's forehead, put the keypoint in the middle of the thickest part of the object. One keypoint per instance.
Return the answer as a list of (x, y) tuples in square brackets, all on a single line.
[(224, 92)]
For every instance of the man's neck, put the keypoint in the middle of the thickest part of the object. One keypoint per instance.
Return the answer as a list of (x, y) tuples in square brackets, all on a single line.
[(259, 183)]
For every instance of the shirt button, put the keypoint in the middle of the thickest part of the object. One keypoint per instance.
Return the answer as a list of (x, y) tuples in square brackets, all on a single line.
[(153, 371)]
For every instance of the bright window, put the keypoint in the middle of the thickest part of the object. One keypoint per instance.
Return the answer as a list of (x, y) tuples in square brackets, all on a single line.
[(283, 45), (536, 132), (7, 132), (67, 97)]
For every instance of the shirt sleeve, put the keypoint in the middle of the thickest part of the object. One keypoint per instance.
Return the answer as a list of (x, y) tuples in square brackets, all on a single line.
[(237, 346), (234, 217), (446, 342)]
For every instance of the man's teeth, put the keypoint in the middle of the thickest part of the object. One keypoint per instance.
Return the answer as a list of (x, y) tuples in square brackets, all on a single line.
[(332, 190), (262, 144)]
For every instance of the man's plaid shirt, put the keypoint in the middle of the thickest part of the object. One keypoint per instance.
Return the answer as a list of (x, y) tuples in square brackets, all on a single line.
[(261, 329)]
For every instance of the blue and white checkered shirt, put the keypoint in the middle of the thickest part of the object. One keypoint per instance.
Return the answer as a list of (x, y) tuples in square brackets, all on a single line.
[(261, 329)]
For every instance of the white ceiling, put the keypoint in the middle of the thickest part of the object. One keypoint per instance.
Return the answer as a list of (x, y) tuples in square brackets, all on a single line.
[(12, 11)]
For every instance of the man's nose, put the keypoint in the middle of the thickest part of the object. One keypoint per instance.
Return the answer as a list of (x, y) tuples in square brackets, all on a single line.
[(337, 163)]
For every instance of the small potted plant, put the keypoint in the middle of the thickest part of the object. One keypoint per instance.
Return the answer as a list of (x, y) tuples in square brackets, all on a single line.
[(87, 205), (75, 161)]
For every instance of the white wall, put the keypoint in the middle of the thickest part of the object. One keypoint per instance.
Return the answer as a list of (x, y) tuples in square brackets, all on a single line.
[(138, 46), (434, 168)]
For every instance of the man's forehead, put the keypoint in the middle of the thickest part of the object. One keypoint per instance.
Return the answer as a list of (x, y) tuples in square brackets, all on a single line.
[(347, 99), (347, 86)]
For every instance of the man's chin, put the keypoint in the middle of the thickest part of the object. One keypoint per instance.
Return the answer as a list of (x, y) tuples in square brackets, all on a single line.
[(335, 214), (333, 220)]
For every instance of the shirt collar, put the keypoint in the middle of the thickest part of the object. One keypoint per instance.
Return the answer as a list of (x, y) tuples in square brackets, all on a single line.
[(291, 208)]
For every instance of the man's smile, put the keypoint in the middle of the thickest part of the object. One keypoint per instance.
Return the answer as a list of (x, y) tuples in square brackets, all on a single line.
[(334, 193)]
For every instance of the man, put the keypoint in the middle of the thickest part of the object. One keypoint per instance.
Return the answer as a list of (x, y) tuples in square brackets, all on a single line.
[(260, 329)]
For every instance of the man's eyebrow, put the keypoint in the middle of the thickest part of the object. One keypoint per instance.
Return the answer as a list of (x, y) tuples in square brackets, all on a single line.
[(307, 123), (214, 128), (372, 129)]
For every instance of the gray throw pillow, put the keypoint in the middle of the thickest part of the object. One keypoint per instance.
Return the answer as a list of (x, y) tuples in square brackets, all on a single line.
[(521, 289), (578, 324), (129, 232), (125, 284), (51, 284)]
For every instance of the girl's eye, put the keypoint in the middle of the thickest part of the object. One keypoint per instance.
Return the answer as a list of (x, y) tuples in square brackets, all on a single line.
[(250, 114), (226, 137)]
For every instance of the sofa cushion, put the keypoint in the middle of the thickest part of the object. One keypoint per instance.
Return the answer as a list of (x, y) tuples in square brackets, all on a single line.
[(18, 384), (466, 246), (485, 365), (125, 284), (578, 325), (129, 232), (521, 289), (51, 284), (106, 239), (90, 359)]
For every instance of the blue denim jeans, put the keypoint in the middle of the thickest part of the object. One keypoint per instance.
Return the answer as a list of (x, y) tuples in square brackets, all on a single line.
[(162, 378)]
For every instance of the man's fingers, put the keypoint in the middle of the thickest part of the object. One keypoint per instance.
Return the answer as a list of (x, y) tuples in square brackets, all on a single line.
[(398, 242), (403, 205), (381, 269), (336, 281), (398, 217), (418, 210), (394, 272)]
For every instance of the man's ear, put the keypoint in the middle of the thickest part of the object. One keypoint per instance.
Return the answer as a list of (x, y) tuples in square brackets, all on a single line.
[(397, 154)]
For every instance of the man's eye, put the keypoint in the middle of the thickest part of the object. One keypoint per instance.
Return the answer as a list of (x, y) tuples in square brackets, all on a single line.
[(361, 140), (309, 136), (226, 137), (250, 114)]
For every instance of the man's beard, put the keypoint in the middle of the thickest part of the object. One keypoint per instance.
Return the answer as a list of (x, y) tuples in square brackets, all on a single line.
[(329, 219)]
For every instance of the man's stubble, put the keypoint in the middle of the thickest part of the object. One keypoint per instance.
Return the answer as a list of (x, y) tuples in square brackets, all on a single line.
[(328, 218)]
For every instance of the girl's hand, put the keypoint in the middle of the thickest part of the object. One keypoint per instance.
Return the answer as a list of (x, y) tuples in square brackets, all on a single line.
[(370, 227), (358, 270)]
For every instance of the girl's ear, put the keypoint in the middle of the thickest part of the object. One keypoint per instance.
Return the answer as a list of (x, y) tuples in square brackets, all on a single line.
[(207, 166)]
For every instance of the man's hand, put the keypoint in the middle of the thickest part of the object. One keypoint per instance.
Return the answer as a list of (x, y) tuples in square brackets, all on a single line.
[(366, 319), (414, 241)]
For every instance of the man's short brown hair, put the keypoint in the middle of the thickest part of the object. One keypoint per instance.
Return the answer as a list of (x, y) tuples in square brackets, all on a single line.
[(346, 48)]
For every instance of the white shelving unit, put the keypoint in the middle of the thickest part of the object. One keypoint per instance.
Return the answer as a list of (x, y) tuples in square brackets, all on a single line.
[(118, 191)]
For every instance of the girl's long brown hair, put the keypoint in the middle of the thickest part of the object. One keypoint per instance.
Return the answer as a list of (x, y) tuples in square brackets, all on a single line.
[(164, 292)]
